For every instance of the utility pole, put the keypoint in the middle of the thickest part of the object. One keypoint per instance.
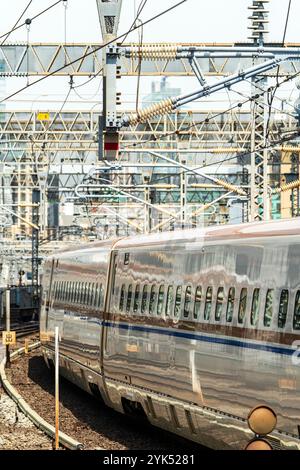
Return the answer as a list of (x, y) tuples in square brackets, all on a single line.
[(259, 200), (35, 248)]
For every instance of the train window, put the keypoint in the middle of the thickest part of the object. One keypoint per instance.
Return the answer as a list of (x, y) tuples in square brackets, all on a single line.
[(122, 298), (296, 320), (77, 292), (197, 304), (100, 295), (255, 307), (152, 300), (71, 292), (230, 304), (283, 308), (187, 301), (219, 304), (177, 306), (92, 294), (136, 299), (87, 293), (269, 307), (208, 302), (144, 299), (87, 290), (81, 292), (242, 305), (129, 298), (170, 300), (160, 300)]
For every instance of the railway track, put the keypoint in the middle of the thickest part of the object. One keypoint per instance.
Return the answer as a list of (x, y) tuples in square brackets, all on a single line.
[(25, 329), (83, 417)]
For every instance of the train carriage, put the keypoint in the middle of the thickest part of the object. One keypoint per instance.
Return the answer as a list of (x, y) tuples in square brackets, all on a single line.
[(192, 328)]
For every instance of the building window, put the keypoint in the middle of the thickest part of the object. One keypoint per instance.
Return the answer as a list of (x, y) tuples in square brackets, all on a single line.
[(152, 300), (208, 303), (170, 300), (296, 320), (283, 308), (255, 307), (160, 300), (219, 304), (269, 308), (129, 298), (187, 302), (122, 298), (144, 299), (243, 305), (230, 305), (177, 306), (197, 305)]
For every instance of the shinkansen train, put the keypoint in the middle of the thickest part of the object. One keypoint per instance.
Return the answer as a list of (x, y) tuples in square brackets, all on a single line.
[(197, 330)]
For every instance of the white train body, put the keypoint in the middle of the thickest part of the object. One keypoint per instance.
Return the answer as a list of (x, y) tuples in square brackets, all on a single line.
[(195, 328)]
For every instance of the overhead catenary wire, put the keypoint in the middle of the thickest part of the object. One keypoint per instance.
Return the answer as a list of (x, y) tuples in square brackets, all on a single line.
[(140, 9), (17, 22), (96, 49), (271, 94), (15, 28), (207, 120)]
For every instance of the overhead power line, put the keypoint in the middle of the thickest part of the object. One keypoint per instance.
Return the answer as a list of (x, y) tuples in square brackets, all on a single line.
[(33, 18), (87, 54), (17, 22)]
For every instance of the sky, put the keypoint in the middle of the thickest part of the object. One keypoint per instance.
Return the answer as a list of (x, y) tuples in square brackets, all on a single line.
[(194, 21)]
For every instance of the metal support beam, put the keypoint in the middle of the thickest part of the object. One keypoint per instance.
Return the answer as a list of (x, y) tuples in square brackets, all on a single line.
[(35, 248), (259, 201)]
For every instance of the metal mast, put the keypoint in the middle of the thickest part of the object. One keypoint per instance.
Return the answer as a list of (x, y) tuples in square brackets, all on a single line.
[(109, 16), (259, 201)]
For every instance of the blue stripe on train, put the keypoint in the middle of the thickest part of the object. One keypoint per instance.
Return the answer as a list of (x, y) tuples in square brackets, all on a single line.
[(205, 339)]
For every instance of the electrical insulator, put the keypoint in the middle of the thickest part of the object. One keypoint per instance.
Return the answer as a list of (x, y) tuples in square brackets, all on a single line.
[(259, 19), (231, 187), (287, 187), (164, 107), (154, 52)]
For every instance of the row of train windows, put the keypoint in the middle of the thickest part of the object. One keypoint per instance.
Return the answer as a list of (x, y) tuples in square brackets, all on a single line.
[(152, 301), (85, 293)]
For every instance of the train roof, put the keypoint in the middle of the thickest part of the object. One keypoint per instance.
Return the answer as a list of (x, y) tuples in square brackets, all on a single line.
[(219, 233), (208, 234)]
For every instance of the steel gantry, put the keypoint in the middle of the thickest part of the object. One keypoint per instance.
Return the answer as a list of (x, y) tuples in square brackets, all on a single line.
[(259, 201), (86, 60), (59, 153)]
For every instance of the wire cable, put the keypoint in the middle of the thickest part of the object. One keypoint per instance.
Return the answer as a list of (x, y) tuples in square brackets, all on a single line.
[(33, 18), (207, 120), (150, 20), (17, 22)]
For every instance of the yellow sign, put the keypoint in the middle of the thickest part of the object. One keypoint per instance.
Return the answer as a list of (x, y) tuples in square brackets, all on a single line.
[(132, 348), (43, 116), (9, 338), (44, 337)]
